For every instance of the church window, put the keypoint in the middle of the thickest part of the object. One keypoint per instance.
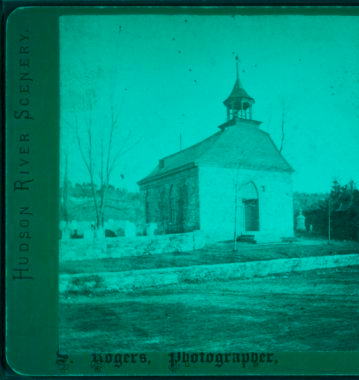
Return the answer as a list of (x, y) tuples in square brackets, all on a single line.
[(182, 207), (147, 208), (173, 205)]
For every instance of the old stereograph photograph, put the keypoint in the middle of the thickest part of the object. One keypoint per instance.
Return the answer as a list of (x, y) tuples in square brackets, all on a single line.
[(209, 181)]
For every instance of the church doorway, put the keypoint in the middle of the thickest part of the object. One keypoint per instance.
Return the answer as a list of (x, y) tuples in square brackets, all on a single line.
[(251, 214), (249, 195)]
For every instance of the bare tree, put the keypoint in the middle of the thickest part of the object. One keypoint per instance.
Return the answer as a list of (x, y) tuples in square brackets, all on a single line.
[(284, 117), (101, 162), (65, 189), (236, 189)]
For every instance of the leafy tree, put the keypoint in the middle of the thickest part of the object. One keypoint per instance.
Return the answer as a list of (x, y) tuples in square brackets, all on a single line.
[(335, 215)]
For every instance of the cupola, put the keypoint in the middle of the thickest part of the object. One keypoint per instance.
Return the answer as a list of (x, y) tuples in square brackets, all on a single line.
[(239, 103)]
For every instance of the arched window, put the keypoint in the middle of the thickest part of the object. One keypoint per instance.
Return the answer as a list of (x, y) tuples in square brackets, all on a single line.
[(163, 206), (179, 206), (147, 206), (173, 199)]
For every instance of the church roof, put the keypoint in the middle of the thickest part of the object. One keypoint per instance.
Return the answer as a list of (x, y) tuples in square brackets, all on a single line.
[(240, 144), (237, 93)]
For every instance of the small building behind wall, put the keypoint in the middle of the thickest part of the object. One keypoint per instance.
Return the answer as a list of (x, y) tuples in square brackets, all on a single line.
[(234, 180)]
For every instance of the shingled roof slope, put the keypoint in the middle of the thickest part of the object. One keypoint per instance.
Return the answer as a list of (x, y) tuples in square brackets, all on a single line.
[(245, 146), (242, 145)]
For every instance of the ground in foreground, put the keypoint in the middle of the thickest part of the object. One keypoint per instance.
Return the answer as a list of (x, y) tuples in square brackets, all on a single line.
[(308, 311)]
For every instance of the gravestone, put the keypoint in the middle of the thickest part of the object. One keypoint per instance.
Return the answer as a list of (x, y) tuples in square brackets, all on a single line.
[(65, 230), (151, 228), (130, 229), (300, 221)]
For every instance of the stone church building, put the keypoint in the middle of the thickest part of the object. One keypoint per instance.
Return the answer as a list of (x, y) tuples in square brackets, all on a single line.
[(234, 181)]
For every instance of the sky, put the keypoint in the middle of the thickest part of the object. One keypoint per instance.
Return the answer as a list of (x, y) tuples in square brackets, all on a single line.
[(161, 77)]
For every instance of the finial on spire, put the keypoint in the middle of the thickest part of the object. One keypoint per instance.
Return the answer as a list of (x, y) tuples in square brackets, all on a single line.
[(237, 59)]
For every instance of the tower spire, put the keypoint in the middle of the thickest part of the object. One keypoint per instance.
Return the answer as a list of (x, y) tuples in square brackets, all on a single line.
[(237, 70), (239, 103)]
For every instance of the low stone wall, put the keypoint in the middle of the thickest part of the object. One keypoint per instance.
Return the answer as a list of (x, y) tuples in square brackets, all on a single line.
[(142, 279), (76, 249)]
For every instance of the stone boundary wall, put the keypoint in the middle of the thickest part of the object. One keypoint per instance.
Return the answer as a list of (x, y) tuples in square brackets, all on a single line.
[(142, 279), (76, 249)]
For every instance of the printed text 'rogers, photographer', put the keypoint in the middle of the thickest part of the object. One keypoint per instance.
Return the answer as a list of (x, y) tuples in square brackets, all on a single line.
[(245, 359)]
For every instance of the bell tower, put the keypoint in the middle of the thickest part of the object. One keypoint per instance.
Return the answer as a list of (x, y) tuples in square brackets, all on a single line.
[(239, 103)]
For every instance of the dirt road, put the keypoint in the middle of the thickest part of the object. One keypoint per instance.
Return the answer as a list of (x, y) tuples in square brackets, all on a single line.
[(308, 311)]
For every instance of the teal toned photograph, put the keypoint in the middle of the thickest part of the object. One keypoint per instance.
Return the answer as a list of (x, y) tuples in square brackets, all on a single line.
[(209, 180)]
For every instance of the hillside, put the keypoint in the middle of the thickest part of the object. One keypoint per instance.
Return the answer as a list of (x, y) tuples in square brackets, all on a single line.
[(119, 205)]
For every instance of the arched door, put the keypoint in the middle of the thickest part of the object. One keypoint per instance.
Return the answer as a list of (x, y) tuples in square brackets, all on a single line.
[(251, 214), (251, 207)]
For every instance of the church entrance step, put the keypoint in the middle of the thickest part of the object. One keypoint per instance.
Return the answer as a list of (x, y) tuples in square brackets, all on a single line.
[(246, 239)]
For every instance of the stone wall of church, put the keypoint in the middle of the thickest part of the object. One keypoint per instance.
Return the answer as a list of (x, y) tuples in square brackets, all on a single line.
[(218, 198), (172, 202)]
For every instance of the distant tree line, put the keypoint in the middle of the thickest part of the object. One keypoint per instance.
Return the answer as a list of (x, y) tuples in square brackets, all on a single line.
[(84, 190), (334, 215), (121, 204)]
